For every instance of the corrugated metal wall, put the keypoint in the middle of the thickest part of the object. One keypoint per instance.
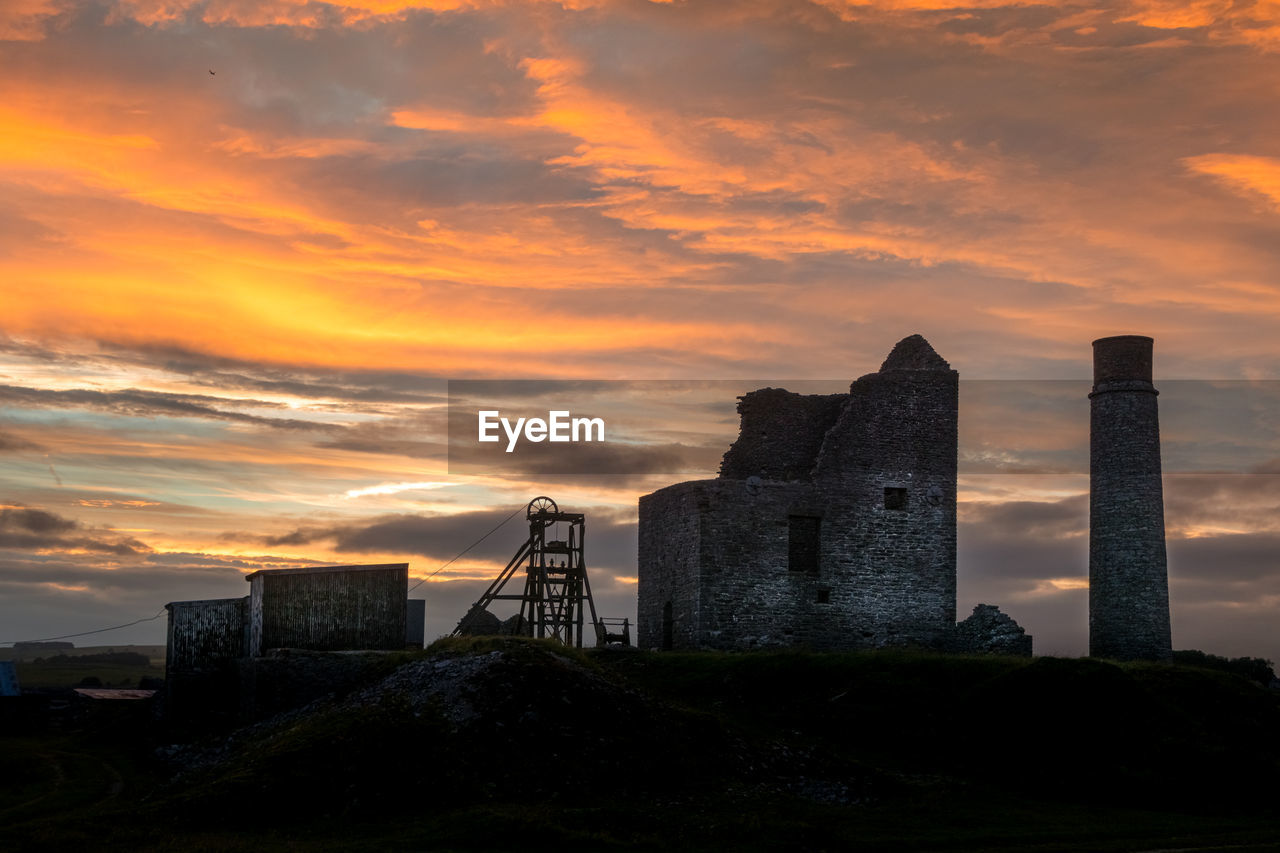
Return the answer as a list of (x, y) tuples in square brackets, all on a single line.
[(205, 635), (255, 614), (331, 610)]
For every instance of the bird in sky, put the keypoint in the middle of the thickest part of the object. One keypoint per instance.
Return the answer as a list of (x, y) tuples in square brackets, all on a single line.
[(211, 71)]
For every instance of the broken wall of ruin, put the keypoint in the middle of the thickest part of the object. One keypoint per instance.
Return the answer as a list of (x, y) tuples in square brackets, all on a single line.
[(780, 434)]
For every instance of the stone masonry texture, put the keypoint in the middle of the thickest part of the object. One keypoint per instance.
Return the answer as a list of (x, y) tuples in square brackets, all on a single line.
[(872, 472), (1128, 577), (988, 631)]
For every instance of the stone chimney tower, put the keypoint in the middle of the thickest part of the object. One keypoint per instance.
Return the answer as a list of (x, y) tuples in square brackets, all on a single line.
[(1128, 577)]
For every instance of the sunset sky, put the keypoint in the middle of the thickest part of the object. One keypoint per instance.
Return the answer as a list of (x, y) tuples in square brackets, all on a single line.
[(244, 245)]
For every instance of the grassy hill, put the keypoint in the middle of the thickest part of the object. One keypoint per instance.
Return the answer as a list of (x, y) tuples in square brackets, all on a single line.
[(492, 744)]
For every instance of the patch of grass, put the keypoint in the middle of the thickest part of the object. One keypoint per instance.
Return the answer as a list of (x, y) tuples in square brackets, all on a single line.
[(525, 649)]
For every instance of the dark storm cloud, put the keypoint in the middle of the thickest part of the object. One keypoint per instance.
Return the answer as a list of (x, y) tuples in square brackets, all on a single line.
[(391, 446), (27, 528), (369, 387), (35, 521), (31, 349), (152, 576), (47, 595), (612, 459), (403, 533), (1218, 425), (1017, 563), (1239, 566), (309, 382), (196, 560), (1210, 490), (10, 443), (1041, 426), (473, 392), (412, 433), (17, 573), (150, 404), (230, 374), (613, 536), (124, 547), (1222, 502), (1041, 520)]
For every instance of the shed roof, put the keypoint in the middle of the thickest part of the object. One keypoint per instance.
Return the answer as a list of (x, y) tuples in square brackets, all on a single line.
[(199, 602), (316, 570), (114, 693)]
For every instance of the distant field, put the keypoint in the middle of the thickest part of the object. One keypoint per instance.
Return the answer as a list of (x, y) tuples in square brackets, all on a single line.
[(71, 673), (156, 653)]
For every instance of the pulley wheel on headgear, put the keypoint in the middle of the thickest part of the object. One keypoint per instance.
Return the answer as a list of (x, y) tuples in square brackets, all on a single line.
[(541, 505)]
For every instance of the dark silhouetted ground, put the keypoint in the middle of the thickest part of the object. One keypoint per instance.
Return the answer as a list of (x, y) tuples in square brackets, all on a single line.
[(491, 744)]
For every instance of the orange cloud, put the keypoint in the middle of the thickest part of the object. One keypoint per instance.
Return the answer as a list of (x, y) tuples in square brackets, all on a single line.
[(188, 215), (25, 20), (1177, 14), (1256, 24), (1247, 175)]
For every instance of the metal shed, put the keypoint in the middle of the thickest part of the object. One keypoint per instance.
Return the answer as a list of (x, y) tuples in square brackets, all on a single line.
[(328, 608), (204, 635)]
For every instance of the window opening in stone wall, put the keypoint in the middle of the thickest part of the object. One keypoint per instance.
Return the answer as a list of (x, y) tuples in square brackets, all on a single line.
[(803, 532), (667, 627), (824, 596), (895, 497)]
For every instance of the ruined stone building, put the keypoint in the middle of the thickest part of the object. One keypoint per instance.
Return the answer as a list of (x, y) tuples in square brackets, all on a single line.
[(832, 524)]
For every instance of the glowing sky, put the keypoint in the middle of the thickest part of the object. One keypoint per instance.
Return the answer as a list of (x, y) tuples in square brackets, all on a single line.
[(231, 300)]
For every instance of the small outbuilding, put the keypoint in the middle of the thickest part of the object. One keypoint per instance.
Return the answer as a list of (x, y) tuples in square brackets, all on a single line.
[(328, 608), (313, 609)]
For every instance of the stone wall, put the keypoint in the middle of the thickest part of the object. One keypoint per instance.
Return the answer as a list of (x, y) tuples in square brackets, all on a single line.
[(781, 434), (670, 547), (887, 472)]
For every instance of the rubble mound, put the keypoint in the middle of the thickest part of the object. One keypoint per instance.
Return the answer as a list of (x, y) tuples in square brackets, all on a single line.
[(988, 631)]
